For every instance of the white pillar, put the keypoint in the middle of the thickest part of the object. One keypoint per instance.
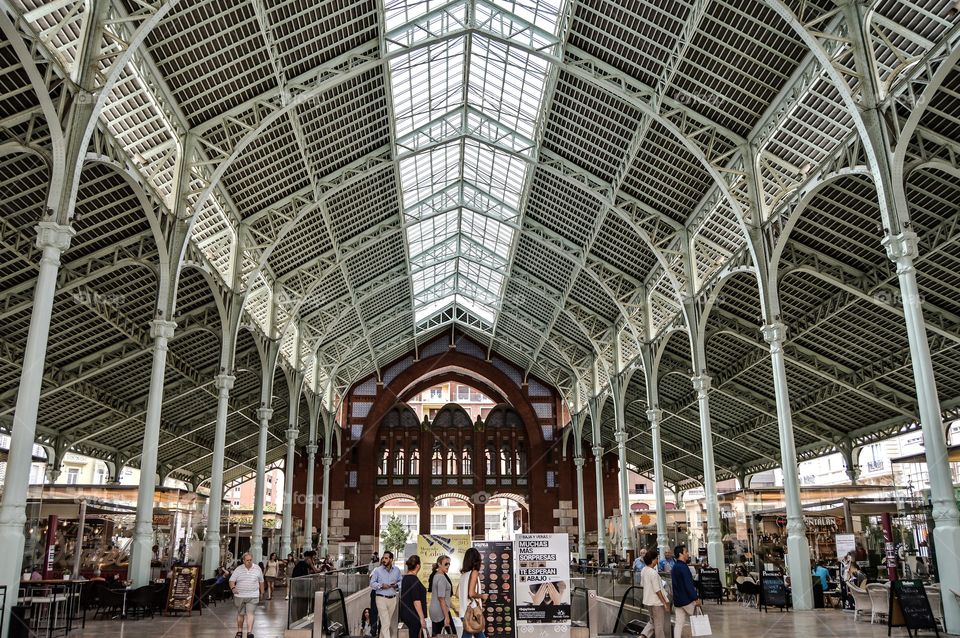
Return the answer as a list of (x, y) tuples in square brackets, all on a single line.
[(286, 532), (52, 240), (310, 500), (701, 384), (325, 507), (581, 512), (601, 525), (798, 549), (256, 539), (626, 529), (654, 416), (141, 550), (211, 540), (902, 249)]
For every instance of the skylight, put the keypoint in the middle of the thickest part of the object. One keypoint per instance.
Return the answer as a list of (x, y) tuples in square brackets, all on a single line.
[(467, 96)]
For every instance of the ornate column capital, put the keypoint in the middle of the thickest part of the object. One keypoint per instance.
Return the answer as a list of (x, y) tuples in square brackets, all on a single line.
[(701, 383), (327, 461), (774, 333), (620, 437), (901, 249), (162, 329), (312, 448), (579, 461), (224, 381), (292, 435), (597, 450), (654, 416), (54, 235), (264, 414)]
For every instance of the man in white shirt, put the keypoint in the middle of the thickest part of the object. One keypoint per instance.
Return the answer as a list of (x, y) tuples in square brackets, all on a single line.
[(654, 598), (246, 583), (385, 583)]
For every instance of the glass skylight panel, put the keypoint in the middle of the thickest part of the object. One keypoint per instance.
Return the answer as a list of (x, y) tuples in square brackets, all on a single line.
[(464, 137)]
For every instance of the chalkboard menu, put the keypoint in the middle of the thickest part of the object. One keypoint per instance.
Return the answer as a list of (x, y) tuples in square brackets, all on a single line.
[(183, 588), (910, 607), (710, 586), (773, 591)]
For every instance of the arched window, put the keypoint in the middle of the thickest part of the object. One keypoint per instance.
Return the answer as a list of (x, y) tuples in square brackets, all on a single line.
[(437, 462), (415, 461), (384, 467), (506, 461), (452, 463), (398, 464), (491, 458), (521, 461), (466, 465)]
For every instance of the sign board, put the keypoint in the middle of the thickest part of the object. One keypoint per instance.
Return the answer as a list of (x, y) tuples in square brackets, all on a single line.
[(183, 588), (910, 607), (710, 586), (773, 591), (542, 585), (496, 580), (846, 543), (430, 547)]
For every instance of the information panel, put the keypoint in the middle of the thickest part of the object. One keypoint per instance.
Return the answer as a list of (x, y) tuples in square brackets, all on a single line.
[(543, 584), (773, 591), (183, 588), (910, 607), (710, 586), (496, 580)]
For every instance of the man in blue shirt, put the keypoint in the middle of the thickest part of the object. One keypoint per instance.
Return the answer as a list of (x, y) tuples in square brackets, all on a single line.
[(823, 573), (685, 597), (385, 583), (667, 562)]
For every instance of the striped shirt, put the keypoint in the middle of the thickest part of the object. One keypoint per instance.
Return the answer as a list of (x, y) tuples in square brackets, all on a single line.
[(247, 581)]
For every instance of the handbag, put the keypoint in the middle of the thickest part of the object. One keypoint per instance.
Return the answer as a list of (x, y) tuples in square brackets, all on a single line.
[(700, 624), (473, 618)]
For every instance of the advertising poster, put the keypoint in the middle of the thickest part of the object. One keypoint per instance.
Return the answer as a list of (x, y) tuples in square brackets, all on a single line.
[(496, 580), (432, 546), (543, 584)]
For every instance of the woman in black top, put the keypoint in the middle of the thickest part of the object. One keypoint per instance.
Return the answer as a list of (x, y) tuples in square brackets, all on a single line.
[(413, 600)]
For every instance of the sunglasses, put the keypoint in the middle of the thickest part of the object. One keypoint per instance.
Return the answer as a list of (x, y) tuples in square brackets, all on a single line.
[(444, 564)]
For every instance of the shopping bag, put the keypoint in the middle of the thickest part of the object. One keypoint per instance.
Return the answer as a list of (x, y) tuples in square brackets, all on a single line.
[(700, 624)]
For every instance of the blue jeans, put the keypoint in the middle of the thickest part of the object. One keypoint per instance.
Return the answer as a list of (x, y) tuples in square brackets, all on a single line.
[(467, 634)]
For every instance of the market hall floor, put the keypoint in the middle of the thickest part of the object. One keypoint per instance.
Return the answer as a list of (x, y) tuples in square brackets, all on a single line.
[(729, 621)]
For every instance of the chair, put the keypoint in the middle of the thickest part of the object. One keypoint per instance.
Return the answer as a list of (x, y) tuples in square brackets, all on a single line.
[(747, 592), (879, 601), (862, 603), (140, 601), (111, 600)]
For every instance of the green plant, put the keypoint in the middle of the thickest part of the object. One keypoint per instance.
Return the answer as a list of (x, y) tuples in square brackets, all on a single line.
[(394, 535)]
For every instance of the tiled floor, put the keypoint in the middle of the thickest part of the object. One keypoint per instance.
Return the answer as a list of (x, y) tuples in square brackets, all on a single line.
[(729, 621)]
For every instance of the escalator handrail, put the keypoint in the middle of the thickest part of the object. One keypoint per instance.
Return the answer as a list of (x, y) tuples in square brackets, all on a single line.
[(617, 629), (587, 596)]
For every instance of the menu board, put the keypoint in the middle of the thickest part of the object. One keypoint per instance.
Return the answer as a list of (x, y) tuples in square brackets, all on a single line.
[(773, 591), (910, 607), (496, 579), (543, 584), (183, 588), (710, 586)]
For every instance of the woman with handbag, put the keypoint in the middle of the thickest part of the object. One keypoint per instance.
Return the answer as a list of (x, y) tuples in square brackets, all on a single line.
[(470, 595), (413, 601), (441, 590)]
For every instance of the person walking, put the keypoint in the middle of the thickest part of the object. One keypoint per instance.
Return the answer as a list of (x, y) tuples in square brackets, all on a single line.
[(246, 583), (469, 586), (385, 584), (271, 574), (441, 591), (413, 600), (654, 598), (686, 600)]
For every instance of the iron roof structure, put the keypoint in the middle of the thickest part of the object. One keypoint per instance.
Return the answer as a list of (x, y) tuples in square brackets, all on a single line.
[(588, 187)]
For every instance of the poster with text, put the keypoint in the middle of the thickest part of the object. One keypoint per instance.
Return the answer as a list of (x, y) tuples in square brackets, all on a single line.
[(430, 547), (496, 580), (542, 584)]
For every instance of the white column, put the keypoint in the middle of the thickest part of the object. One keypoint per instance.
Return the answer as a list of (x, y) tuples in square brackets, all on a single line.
[(310, 500), (626, 529), (211, 540), (701, 384), (654, 416), (902, 249), (581, 512), (798, 549), (601, 525), (325, 507), (256, 540), (286, 532), (141, 550)]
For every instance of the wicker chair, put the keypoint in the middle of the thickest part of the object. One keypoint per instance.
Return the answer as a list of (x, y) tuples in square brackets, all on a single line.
[(879, 600), (861, 601)]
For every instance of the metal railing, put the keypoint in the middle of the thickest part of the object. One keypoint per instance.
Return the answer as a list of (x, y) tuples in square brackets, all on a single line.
[(302, 591)]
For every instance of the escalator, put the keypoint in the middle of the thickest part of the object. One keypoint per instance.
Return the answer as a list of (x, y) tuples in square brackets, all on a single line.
[(631, 614)]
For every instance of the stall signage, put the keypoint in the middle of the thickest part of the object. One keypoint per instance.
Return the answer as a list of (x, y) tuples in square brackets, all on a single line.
[(183, 588), (773, 591), (820, 521), (710, 587), (542, 585), (910, 607)]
